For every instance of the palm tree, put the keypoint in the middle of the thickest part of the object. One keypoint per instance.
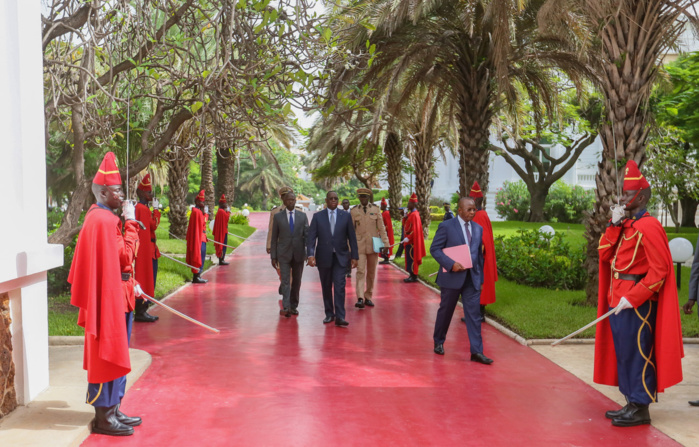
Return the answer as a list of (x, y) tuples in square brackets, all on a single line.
[(628, 39), (266, 178), (481, 49)]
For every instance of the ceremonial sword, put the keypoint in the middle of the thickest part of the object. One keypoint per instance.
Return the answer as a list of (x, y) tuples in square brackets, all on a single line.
[(177, 260), (584, 327), (180, 314)]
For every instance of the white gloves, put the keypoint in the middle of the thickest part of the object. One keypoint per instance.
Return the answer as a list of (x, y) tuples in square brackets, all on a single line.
[(623, 304), (228, 209), (137, 290), (617, 213), (405, 241), (128, 210), (206, 209), (155, 203)]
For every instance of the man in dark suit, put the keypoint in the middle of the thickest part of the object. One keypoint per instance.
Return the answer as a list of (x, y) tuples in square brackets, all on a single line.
[(288, 252), (458, 280), (328, 236), (692, 300)]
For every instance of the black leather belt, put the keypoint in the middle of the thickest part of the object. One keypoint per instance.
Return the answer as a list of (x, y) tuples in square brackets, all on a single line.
[(152, 240), (125, 276), (628, 277)]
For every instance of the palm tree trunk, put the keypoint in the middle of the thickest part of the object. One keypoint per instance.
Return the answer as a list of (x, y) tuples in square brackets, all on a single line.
[(474, 117), (207, 177), (177, 175), (225, 160), (394, 153), (423, 162)]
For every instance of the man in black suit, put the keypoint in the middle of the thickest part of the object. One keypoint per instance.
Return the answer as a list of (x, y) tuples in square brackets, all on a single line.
[(328, 236), (288, 252)]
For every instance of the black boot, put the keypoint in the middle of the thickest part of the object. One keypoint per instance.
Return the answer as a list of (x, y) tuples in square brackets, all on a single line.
[(141, 314), (411, 278), (106, 423), (198, 279), (482, 312), (222, 262), (611, 414), (127, 420), (636, 414)]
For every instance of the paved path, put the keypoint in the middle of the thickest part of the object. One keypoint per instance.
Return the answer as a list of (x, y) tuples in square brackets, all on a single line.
[(271, 381)]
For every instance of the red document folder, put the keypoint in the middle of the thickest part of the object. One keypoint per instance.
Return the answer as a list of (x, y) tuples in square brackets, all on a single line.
[(460, 254)]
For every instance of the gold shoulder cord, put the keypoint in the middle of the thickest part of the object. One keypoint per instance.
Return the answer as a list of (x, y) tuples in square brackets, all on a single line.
[(635, 251)]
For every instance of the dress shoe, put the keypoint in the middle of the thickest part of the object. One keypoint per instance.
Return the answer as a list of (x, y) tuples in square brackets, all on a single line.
[(411, 278), (285, 312), (328, 320), (612, 414), (694, 403), (635, 415), (369, 303), (480, 358), (222, 262), (106, 423), (439, 348), (359, 303), (294, 311), (463, 319), (198, 279), (145, 317), (349, 275), (127, 420), (341, 323), (280, 289), (385, 262)]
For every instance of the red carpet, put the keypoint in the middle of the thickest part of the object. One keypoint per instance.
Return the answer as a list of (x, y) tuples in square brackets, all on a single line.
[(271, 381)]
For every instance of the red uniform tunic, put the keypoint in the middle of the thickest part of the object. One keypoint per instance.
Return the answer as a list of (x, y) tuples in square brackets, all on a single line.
[(221, 229), (388, 223), (490, 266), (639, 247), (147, 250), (101, 254), (413, 231), (195, 236)]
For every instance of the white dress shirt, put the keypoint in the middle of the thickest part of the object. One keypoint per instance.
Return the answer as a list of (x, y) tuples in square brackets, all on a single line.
[(462, 224)]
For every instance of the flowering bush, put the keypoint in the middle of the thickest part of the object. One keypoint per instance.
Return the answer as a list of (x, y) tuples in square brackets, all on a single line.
[(566, 203), (512, 201)]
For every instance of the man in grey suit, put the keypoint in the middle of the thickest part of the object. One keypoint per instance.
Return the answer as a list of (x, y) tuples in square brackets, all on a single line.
[(288, 252), (457, 280)]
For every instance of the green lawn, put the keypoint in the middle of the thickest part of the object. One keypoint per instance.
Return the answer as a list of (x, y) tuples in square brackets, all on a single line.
[(543, 313), (171, 275)]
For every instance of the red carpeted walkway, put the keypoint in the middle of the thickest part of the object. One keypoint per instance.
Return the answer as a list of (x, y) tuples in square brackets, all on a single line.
[(271, 381)]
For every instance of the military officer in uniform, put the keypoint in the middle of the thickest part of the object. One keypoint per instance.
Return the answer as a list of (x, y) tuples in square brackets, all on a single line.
[(368, 224)]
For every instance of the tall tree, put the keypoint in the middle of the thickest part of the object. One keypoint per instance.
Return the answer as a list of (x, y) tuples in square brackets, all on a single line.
[(630, 39), (393, 150)]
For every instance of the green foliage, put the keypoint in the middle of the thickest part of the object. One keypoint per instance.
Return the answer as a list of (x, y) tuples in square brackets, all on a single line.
[(512, 200), (566, 203), (540, 260), (438, 217), (238, 219)]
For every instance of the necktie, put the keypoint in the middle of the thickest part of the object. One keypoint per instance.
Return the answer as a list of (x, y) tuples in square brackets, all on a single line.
[(332, 222), (365, 210), (291, 221), (468, 233)]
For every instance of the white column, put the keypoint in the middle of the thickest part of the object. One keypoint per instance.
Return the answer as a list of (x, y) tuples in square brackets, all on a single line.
[(25, 255)]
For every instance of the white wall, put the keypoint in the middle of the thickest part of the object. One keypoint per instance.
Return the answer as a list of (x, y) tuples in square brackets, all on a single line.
[(25, 255)]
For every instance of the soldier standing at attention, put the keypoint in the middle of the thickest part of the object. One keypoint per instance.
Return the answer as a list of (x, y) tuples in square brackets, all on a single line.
[(146, 259), (196, 238), (221, 228), (388, 224), (368, 224), (639, 347), (414, 240), (490, 267)]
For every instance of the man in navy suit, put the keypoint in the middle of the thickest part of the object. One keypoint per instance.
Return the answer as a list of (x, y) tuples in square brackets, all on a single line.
[(459, 281), (332, 229)]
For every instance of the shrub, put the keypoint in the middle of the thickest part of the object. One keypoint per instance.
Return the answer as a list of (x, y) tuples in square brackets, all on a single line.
[(437, 217), (238, 219), (538, 259), (566, 203), (512, 201)]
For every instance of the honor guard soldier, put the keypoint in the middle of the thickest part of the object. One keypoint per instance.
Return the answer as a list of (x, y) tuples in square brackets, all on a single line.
[(102, 287), (639, 347), (414, 240), (221, 220), (388, 224), (196, 238), (490, 267), (147, 256), (368, 224)]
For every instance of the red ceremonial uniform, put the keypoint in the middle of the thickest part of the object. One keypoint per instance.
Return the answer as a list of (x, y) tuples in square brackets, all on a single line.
[(416, 239), (97, 289), (147, 249), (195, 236), (388, 223), (490, 266), (221, 229), (639, 247)]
